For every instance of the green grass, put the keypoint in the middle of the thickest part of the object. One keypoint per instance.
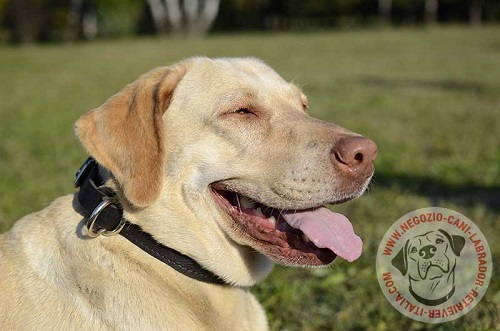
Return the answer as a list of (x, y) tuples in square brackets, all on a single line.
[(430, 98)]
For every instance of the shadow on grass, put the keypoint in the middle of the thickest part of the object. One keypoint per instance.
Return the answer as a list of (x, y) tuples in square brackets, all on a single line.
[(442, 84), (465, 194)]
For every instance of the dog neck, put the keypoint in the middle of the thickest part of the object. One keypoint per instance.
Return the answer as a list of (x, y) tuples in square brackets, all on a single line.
[(104, 214)]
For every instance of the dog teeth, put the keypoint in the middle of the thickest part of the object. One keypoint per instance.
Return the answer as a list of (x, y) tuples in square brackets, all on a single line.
[(259, 212), (246, 203), (272, 220)]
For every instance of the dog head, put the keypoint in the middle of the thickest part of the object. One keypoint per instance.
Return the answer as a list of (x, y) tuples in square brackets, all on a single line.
[(223, 151)]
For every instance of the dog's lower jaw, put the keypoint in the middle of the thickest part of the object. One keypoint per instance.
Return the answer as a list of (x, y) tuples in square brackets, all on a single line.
[(256, 267), (237, 263)]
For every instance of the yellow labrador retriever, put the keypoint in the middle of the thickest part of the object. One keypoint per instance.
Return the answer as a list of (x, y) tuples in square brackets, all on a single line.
[(203, 174)]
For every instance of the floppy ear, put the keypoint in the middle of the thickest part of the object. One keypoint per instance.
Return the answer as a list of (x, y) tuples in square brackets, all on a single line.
[(457, 243), (126, 133), (400, 261)]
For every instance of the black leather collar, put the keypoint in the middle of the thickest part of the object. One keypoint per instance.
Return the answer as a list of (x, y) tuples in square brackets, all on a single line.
[(105, 217)]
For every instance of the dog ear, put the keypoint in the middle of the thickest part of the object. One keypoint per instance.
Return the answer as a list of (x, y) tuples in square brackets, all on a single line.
[(457, 243), (125, 134), (400, 261)]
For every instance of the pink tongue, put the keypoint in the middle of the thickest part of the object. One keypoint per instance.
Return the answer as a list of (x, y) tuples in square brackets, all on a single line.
[(327, 229)]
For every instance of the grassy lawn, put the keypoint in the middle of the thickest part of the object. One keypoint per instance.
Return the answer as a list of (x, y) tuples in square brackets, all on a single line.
[(430, 98)]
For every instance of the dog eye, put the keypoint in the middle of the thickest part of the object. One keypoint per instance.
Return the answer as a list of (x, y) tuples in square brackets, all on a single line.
[(243, 111), (439, 241), (413, 250)]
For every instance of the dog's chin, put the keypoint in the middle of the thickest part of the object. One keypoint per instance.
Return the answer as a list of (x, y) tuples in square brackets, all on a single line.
[(263, 228)]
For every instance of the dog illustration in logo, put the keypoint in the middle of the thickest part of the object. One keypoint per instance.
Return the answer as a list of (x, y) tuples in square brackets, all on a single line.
[(430, 260)]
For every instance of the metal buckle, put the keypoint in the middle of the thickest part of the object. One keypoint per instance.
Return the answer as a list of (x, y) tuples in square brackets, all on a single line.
[(95, 214), (83, 169)]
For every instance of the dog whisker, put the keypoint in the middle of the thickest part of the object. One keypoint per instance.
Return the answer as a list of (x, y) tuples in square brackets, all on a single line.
[(238, 200)]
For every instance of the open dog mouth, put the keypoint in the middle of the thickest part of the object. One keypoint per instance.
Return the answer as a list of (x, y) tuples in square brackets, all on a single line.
[(310, 237)]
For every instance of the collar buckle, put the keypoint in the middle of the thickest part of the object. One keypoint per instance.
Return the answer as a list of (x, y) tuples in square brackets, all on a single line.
[(101, 207)]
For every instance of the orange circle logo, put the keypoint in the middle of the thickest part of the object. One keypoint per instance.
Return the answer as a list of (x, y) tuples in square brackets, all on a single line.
[(434, 265)]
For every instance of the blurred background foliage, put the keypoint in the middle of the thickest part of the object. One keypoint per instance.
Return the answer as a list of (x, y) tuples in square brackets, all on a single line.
[(28, 21), (429, 97)]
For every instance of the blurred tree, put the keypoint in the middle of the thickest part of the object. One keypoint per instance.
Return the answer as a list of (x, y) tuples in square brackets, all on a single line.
[(26, 19), (183, 16), (384, 11), (118, 17), (236, 15), (300, 15), (82, 20), (475, 9), (431, 11)]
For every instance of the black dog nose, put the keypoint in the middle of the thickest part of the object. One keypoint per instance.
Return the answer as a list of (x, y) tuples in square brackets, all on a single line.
[(427, 252)]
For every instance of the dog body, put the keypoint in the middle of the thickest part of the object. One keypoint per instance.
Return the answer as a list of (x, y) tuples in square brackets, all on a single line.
[(178, 146), (50, 281)]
